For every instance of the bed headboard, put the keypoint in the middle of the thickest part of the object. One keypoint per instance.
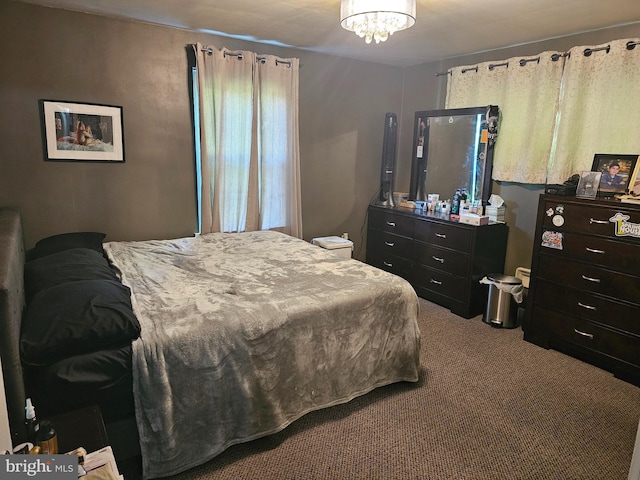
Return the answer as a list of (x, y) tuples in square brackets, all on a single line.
[(12, 257)]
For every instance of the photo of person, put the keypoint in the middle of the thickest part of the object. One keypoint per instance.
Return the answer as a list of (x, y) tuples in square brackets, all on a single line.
[(616, 173), (611, 178), (588, 184)]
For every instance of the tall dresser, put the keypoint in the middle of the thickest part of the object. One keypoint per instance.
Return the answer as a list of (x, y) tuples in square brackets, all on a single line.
[(443, 259), (584, 295)]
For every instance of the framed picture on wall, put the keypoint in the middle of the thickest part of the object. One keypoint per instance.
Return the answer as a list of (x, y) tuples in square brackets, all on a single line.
[(86, 132), (617, 173)]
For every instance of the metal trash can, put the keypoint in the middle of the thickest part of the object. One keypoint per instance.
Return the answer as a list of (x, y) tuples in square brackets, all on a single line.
[(523, 274), (502, 309)]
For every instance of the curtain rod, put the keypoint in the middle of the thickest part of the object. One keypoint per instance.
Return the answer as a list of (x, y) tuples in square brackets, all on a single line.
[(494, 65), (554, 58), (239, 56), (524, 61), (588, 51)]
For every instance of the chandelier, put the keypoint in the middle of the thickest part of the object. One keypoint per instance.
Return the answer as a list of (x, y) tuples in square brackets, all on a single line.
[(377, 19)]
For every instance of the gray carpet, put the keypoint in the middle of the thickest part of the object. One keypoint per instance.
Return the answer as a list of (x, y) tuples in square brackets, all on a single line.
[(488, 406)]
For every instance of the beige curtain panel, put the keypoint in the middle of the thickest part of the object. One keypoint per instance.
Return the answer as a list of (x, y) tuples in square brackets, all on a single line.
[(249, 141), (527, 94), (558, 109)]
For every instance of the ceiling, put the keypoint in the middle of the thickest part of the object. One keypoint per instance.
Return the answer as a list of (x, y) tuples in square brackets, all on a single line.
[(443, 29)]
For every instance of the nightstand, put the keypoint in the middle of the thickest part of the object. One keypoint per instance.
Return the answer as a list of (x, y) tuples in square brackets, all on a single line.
[(80, 428)]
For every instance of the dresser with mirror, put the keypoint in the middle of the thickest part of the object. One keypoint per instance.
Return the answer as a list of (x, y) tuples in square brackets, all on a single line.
[(442, 258)]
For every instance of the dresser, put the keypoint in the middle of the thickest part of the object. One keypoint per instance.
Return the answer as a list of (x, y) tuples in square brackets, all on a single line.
[(584, 294), (443, 259)]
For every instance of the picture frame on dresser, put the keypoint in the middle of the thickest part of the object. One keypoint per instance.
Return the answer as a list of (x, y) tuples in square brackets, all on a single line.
[(74, 132), (634, 183), (588, 184), (617, 172)]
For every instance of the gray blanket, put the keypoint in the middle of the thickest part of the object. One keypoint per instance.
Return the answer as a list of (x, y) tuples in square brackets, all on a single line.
[(244, 333)]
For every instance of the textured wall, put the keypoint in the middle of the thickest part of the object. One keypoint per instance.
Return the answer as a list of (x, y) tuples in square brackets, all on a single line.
[(61, 55)]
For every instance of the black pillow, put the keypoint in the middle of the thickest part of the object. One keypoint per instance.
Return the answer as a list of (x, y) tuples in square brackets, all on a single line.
[(67, 266), (98, 369), (76, 318), (65, 241)]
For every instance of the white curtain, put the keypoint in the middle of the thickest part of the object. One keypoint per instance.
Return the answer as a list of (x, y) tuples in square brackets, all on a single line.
[(599, 107), (556, 115), (249, 141), (526, 91), (278, 145)]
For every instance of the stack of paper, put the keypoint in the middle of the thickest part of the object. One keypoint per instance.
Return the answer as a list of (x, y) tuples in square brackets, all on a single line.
[(101, 465), (630, 198)]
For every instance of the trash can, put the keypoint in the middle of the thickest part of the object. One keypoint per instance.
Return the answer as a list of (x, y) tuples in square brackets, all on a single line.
[(502, 308), (523, 274), (339, 245)]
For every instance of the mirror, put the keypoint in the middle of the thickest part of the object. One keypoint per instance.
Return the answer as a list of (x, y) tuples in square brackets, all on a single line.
[(453, 148)]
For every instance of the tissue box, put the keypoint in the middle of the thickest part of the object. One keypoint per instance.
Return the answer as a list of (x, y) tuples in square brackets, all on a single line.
[(474, 219), (491, 210), (495, 213)]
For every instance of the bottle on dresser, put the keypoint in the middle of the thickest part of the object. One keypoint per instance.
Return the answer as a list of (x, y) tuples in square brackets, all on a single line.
[(31, 422)]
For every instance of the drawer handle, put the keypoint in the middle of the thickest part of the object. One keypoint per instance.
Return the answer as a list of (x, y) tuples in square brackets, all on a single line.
[(584, 334), (593, 220), (438, 259), (391, 224), (591, 279), (388, 264), (389, 244), (588, 307), (593, 250), (441, 235), (436, 282)]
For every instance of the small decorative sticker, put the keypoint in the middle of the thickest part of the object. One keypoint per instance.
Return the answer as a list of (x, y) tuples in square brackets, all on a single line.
[(552, 239), (549, 212), (558, 220), (623, 228), (560, 209)]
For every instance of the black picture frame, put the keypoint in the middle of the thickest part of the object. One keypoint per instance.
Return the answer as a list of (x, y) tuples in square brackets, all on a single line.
[(619, 185), (81, 132)]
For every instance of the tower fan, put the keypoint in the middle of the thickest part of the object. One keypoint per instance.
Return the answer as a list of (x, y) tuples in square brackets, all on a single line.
[(385, 197)]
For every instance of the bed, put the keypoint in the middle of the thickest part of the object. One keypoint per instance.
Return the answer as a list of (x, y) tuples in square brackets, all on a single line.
[(232, 336)]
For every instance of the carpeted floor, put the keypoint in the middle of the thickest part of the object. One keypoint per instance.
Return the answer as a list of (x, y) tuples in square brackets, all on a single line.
[(488, 406)]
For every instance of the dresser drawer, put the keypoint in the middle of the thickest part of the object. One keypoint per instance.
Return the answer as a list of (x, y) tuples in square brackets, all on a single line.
[(585, 218), (442, 259), (391, 222), (453, 262), (583, 333), (390, 263), (448, 236), (612, 254), (440, 282), (583, 276), (384, 243), (578, 303)]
